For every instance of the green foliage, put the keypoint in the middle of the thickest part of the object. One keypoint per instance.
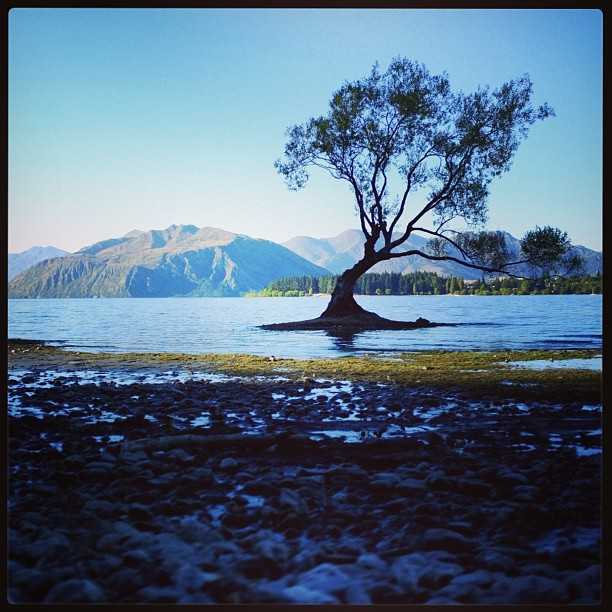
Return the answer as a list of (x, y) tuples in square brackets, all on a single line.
[(485, 248), (430, 283), (545, 248), (393, 132)]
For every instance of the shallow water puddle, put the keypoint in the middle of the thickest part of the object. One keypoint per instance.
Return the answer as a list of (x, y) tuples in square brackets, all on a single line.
[(524, 447), (110, 438), (554, 439), (426, 413), (349, 436), (201, 421), (253, 501), (352, 436), (393, 430), (556, 443), (46, 378), (583, 451), (351, 416), (216, 512), (592, 363), (16, 409), (592, 407), (105, 416)]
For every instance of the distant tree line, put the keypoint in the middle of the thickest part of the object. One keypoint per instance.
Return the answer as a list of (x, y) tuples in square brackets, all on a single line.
[(430, 283)]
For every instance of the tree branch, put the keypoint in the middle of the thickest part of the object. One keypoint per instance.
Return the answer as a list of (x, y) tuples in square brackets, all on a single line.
[(439, 235), (407, 190), (459, 261), (442, 195)]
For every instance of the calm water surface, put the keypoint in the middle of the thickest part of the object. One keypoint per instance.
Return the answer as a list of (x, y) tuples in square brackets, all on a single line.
[(229, 325)]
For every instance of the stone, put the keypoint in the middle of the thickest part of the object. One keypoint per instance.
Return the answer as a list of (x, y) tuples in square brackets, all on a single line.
[(524, 493), (438, 573), (527, 590), (136, 558), (439, 481), (292, 500), (495, 560), (108, 457), (139, 512), (180, 455), (125, 581), (356, 594), (100, 508), (445, 539), (192, 579), (133, 456), (155, 594), (102, 567), (473, 487), (324, 578), (411, 485), (585, 586), (75, 590), (302, 595), (32, 584), (229, 463), (50, 547), (372, 561), (272, 546), (479, 578), (192, 530), (508, 477), (203, 476), (416, 571), (439, 600)]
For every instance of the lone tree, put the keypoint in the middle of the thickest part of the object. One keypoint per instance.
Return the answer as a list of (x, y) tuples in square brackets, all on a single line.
[(396, 132)]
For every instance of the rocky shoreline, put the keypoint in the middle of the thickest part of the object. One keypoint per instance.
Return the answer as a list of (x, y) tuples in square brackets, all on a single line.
[(158, 485)]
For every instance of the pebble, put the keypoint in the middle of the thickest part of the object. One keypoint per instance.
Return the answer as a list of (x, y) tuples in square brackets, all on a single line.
[(76, 591), (229, 463)]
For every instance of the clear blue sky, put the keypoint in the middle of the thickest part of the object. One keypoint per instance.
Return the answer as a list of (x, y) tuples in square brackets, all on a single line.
[(124, 119)]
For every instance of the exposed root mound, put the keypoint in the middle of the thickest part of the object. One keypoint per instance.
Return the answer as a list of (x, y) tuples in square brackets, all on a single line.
[(360, 322)]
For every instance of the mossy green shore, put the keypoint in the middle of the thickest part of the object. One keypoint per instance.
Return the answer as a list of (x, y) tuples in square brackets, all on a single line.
[(483, 373)]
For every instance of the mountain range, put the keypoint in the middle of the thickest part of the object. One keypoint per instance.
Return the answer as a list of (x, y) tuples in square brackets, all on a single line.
[(185, 260), (181, 260), (18, 262)]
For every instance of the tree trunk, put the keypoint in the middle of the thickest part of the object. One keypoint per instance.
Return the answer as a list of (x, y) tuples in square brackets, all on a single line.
[(342, 302)]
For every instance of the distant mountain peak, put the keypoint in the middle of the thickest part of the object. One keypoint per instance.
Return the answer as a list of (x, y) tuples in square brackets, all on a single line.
[(19, 262), (133, 234), (180, 260)]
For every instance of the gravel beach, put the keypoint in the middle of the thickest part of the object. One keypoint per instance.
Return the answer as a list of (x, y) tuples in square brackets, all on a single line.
[(184, 486)]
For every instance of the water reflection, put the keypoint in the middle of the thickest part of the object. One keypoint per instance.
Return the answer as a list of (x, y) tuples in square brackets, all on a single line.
[(343, 341)]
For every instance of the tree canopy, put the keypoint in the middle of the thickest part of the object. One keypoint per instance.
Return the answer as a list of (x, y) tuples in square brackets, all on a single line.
[(397, 132)]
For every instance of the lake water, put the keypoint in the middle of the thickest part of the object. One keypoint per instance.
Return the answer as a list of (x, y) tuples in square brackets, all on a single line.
[(229, 325)]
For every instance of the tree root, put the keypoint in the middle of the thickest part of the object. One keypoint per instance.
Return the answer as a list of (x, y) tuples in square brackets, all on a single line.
[(368, 321)]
